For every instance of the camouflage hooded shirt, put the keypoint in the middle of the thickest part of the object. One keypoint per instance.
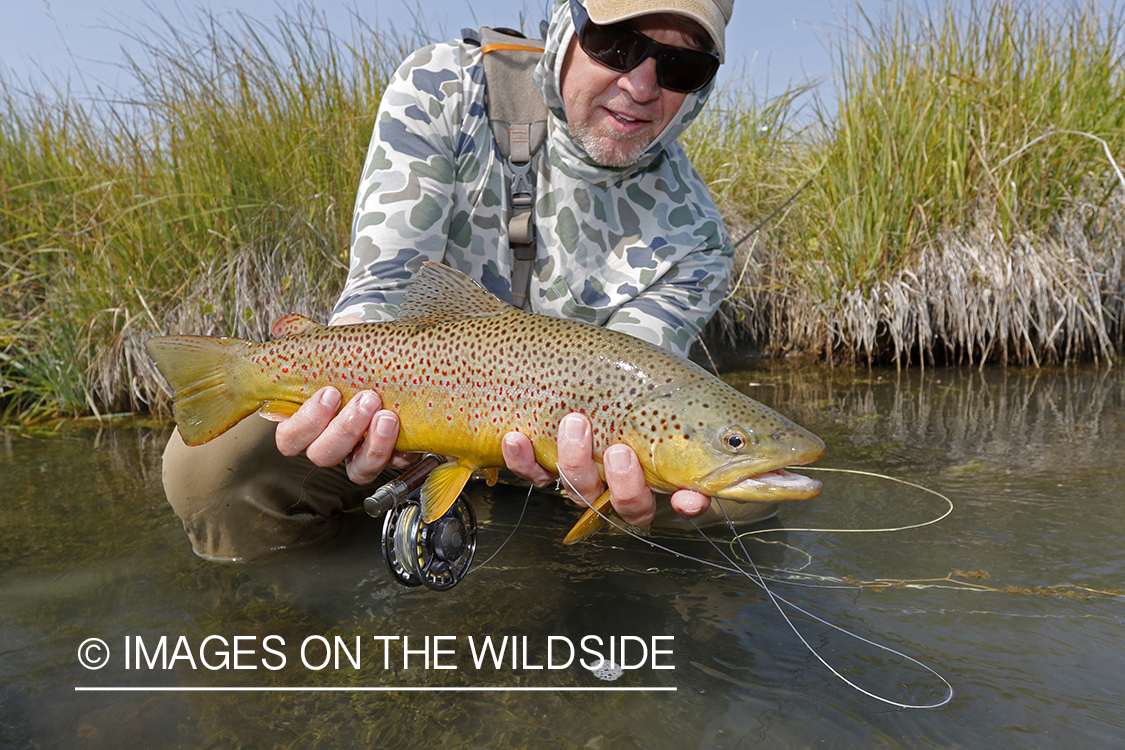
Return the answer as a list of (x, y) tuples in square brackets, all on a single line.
[(640, 249)]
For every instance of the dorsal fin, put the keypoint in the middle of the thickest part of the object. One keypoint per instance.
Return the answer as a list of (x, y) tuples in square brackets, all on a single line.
[(440, 294), (293, 323)]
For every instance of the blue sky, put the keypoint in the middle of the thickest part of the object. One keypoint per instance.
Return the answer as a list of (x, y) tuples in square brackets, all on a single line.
[(775, 44)]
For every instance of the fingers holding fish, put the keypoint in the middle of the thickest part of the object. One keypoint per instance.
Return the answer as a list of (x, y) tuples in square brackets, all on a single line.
[(576, 459), (628, 491), (327, 437), (368, 459), (689, 503), (296, 432), (339, 438), (519, 457)]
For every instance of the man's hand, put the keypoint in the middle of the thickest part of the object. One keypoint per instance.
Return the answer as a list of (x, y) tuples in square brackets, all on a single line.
[(629, 494), (362, 434)]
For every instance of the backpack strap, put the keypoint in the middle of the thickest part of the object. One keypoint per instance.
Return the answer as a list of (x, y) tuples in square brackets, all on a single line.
[(518, 118)]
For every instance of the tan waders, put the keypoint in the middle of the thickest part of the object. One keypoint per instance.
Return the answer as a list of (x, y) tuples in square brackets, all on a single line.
[(239, 498)]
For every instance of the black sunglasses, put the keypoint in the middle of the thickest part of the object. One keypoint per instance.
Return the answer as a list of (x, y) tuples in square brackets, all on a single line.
[(621, 48)]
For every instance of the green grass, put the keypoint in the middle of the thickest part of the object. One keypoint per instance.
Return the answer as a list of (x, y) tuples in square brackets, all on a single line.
[(958, 201), (985, 117), (217, 198), (964, 200)]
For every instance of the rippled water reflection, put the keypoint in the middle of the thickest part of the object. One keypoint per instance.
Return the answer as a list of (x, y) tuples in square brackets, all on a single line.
[(1013, 598)]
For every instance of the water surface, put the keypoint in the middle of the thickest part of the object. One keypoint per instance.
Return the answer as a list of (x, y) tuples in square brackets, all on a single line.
[(1013, 598)]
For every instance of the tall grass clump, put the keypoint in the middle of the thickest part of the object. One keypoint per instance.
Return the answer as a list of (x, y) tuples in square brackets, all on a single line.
[(212, 199), (967, 202), (748, 150)]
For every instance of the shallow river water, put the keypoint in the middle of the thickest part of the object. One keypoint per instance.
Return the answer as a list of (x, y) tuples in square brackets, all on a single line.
[(1014, 599)]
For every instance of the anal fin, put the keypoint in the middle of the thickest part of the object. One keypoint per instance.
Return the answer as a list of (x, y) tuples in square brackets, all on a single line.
[(590, 521), (442, 488)]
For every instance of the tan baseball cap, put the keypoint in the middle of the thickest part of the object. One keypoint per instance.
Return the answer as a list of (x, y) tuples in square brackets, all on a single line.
[(712, 15)]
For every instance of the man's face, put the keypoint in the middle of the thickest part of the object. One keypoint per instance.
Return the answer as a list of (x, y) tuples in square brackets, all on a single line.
[(615, 116)]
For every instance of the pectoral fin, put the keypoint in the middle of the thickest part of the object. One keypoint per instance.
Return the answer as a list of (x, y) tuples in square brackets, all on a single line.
[(590, 521), (278, 409), (442, 488)]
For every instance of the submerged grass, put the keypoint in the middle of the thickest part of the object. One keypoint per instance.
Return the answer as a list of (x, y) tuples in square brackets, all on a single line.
[(961, 200)]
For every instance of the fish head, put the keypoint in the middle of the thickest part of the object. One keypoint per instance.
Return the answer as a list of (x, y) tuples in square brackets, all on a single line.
[(708, 437)]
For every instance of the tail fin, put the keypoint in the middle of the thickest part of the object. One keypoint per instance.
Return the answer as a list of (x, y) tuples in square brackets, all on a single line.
[(207, 401)]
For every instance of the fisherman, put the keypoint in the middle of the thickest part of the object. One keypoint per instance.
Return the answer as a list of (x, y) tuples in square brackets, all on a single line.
[(628, 237)]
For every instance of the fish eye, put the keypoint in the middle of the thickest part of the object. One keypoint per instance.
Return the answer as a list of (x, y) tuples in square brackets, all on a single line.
[(734, 441)]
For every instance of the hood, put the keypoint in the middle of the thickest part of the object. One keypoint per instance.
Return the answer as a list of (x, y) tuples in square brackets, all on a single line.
[(565, 152)]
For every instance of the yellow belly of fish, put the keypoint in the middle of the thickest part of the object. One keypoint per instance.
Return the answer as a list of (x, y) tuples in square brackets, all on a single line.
[(436, 420)]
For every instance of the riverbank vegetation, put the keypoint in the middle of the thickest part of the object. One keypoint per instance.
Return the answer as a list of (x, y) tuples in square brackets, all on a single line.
[(958, 199)]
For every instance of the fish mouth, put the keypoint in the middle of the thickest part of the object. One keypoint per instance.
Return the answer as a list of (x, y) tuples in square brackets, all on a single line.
[(776, 485), (761, 480)]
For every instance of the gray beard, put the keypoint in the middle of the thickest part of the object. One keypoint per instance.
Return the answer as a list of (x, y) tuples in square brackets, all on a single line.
[(608, 157)]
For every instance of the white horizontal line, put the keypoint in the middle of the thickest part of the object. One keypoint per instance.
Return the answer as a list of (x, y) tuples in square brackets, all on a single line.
[(411, 689)]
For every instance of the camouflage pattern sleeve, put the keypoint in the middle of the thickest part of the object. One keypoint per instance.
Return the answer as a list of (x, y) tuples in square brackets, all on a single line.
[(673, 312), (406, 192)]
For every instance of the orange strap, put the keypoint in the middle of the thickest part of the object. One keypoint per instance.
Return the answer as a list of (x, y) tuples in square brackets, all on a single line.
[(518, 47)]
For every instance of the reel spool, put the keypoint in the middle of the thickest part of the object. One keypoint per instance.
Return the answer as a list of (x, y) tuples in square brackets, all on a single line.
[(435, 555)]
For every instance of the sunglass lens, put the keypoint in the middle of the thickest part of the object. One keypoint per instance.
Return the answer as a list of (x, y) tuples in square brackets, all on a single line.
[(686, 70), (609, 46)]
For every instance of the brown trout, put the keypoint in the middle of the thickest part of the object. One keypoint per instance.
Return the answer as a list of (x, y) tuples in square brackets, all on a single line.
[(461, 368)]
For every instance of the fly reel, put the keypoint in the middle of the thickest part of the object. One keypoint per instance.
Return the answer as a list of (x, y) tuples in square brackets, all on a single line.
[(436, 555)]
